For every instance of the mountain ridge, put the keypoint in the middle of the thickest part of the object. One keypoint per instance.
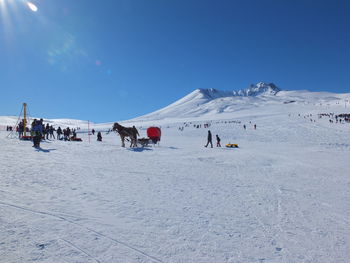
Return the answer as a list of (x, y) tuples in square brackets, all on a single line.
[(258, 89)]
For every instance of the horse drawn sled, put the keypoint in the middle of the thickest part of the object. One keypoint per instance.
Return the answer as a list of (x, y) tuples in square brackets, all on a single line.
[(153, 134)]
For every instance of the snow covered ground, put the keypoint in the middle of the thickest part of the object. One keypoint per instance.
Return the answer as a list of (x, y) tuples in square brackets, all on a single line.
[(283, 196)]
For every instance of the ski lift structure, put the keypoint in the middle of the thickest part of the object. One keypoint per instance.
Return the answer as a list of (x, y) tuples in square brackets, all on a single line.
[(25, 137), (23, 117)]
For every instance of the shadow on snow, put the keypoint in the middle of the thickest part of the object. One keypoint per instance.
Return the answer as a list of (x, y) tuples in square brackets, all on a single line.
[(44, 150), (139, 149)]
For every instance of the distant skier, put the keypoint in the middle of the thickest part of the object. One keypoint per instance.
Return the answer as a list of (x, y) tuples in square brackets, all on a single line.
[(244, 127), (254, 126), (209, 140), (218, 141)]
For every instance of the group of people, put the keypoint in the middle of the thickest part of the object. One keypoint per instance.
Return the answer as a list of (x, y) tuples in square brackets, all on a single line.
[(39, 131), (340, 118), (332, 117)]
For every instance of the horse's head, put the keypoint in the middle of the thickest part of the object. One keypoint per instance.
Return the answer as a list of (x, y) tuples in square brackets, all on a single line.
[(115, 126)]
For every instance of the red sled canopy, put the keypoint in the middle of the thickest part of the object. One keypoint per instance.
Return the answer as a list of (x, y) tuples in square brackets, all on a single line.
[(154, 133)]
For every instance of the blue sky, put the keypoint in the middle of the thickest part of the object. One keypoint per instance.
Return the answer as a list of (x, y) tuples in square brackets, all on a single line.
[(113, 60)]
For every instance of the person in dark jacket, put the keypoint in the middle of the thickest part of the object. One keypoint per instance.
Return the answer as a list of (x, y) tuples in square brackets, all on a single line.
[(99, 136), (210, 138), (37, 131), (59, 133), (47, 131), (20, 129), (218, 141), (51, 130)]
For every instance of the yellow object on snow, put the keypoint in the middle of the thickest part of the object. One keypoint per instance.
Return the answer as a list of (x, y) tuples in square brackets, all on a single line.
[(232, 145)]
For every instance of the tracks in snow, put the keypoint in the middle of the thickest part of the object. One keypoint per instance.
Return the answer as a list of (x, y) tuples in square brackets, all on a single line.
[(134, 249)]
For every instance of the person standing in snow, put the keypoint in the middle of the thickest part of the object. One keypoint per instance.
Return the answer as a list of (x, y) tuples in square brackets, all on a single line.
[(65, 134), (99, 136), (37, 131), (47, 131), (20, 129), (59, 133), (51, 130), (209, 140), (254, 126), (218, 141)]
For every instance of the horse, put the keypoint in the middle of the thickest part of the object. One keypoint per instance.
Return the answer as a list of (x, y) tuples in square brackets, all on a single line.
[(130, 132)]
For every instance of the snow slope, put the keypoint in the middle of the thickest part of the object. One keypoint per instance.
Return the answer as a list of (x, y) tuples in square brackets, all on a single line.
[(265, 98), (281, 197)]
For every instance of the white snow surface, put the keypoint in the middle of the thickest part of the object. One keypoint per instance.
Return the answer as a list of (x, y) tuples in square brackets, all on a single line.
[(282, 196)]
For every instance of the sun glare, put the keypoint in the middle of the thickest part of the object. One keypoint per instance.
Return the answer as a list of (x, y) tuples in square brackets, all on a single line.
[(11, 13), (32, 6), (6, 5)]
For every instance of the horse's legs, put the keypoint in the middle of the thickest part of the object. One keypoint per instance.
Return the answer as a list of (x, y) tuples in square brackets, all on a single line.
[(122, 138), (132, 144)]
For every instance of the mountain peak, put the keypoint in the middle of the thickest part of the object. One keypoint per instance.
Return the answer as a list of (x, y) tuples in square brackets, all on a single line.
[(260, 88)]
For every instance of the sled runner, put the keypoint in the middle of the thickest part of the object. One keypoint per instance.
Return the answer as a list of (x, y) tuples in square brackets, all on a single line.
[(143, 141), (232, 145)]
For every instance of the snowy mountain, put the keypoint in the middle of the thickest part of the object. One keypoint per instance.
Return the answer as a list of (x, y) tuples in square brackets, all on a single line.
[(263, 97)]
